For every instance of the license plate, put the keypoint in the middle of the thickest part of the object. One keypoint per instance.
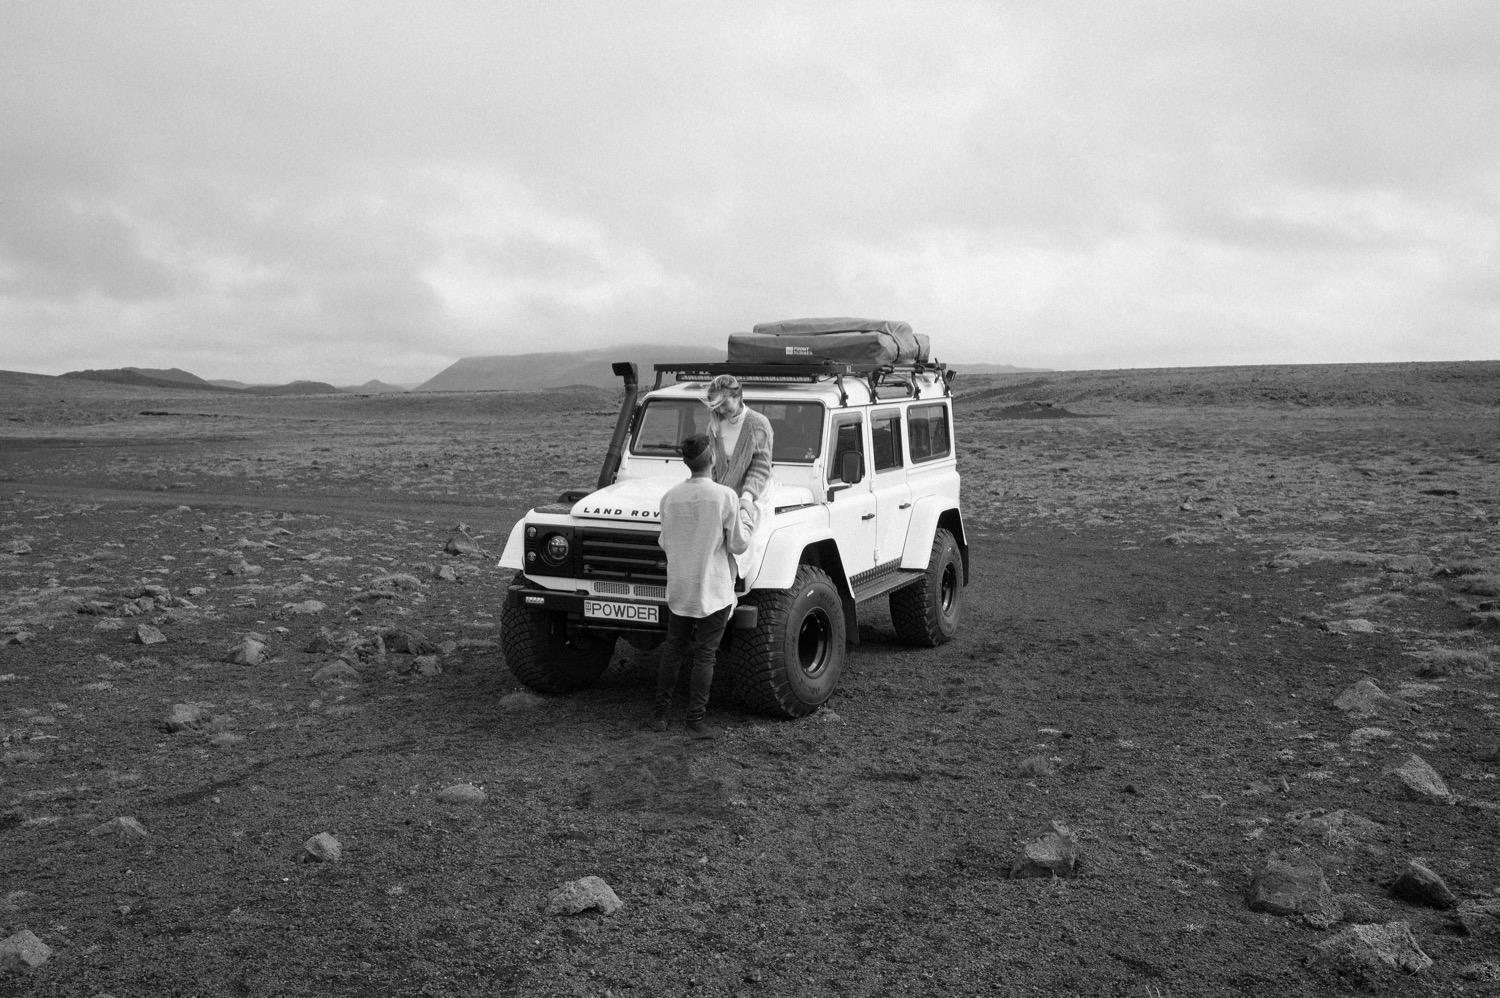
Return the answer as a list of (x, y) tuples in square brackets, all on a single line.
[(637, 613)]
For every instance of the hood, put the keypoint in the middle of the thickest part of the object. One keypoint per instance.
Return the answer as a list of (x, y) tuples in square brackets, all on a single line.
[(637, 500)]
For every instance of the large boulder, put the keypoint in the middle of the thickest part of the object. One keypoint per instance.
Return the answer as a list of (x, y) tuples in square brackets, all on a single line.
[(577, 896), (1293, 884), (1418, 779), (1053, 853), (1420, 885)]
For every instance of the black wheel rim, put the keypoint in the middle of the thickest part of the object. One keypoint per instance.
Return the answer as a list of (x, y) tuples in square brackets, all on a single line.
[(948, 589), (814, 643)]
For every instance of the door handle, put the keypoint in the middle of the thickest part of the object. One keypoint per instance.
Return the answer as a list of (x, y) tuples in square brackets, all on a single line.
[(905, 505), (868, 516)]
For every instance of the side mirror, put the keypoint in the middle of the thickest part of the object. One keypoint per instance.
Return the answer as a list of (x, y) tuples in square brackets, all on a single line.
[(852, 467)]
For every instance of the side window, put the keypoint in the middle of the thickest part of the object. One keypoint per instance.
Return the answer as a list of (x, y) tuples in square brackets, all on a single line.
[(796, 430), (927, 432), (885, 440), (848, 438)]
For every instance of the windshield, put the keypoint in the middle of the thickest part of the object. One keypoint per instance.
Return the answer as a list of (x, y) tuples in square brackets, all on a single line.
[(796, 428)]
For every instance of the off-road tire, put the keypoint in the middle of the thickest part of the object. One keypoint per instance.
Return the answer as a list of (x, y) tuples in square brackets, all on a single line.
[(926, 612), (540, 653), (790, 663)]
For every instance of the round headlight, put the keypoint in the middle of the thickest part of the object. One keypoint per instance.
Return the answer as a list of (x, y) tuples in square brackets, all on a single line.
[(531, 533), (557, 549)]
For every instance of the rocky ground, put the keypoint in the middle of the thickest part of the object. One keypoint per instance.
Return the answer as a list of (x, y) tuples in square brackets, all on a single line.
[(1228, 677)]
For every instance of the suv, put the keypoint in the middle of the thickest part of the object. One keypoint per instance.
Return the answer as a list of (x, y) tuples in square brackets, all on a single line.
[(866, 501)]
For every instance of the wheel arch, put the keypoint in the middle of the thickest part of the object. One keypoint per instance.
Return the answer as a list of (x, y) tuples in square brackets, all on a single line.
[(930, 515), (810, 545)]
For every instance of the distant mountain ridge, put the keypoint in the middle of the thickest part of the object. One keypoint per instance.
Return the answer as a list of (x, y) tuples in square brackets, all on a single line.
[(174, 377), (529, 371)]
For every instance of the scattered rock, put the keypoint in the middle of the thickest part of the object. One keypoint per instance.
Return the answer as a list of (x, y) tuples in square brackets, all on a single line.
[(446, 573), (462, 793), (1473, 917), (1293, 884), (249, 650), (338, 673), (1419, 779), (21, 638), (108, 624), (1355, 625), (412, 642), (1053, 853), (145, 634), (1372, 947), (322, 643), (1365, 699), (18, 547), (24, 947), (462, 544), (580, 895), (1335, 828), (322, 848), (397, 580), (306, 606), (186, 717), (1420, 885), (125, 828), (427, 665), (243, 568)]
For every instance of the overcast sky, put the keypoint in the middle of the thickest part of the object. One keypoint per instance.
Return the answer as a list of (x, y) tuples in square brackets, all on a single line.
[(341, 191)]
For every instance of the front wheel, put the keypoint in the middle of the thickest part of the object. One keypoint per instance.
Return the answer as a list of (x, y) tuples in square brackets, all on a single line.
[(926, 612), (544, 653), (790, 663)]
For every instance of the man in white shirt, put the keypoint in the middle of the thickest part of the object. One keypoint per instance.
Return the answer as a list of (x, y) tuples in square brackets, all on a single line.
[(702, 527)]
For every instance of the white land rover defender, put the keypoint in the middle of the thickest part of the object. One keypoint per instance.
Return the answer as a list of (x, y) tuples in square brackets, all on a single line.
[(866, 503)]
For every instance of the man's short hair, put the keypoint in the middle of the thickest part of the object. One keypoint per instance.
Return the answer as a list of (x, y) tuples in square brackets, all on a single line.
[(698, 451)]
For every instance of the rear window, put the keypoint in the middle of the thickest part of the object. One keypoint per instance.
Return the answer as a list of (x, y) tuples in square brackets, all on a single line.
[(927, 432), (796, 428)]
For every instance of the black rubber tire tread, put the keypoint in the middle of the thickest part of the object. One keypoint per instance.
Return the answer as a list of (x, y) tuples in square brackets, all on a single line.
[(544, 661), (917, 609), (759, 659)]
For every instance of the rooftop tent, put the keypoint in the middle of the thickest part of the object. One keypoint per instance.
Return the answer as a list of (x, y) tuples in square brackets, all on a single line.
[(862, 342)]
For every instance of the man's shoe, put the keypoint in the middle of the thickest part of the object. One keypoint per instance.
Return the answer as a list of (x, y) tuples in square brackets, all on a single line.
[(698, 728), (659, 720)]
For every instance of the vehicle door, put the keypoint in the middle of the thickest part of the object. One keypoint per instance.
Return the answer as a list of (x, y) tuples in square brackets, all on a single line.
[(889, 484), (852, 509)]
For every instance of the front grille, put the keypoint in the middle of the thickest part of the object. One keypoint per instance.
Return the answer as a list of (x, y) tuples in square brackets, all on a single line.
[(622, 555), (617, 588), (654, 592)]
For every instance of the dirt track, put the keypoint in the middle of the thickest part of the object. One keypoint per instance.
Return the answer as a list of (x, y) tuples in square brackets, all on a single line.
[(1155, 632)]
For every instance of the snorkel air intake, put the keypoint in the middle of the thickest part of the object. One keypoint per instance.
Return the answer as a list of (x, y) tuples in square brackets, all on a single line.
[(627, 371)]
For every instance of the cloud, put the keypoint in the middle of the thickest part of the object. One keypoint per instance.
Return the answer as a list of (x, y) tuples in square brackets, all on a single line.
[(367, 189)]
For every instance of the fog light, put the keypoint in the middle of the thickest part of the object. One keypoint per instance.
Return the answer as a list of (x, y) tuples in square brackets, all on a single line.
[(531, 556)]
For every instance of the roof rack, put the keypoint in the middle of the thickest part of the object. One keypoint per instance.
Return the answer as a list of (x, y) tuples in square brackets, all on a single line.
[(808, 374)]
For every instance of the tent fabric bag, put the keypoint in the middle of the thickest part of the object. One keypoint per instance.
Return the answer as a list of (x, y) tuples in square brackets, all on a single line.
[(861, 342)]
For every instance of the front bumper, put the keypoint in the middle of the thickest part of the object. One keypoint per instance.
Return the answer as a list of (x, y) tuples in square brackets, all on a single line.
[(605, 614)]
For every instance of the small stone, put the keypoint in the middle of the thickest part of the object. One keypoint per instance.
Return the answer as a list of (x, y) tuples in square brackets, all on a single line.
[(108, 624), (409, 640), (1373, 947), (427, 665), (338, 673), (186, 717), (306, 606), (125, 828), (1420, 885), (21, 638), (446, 573), (18, 547), (1292, 884), (322, 848), (1419, 779), (145, 634), (243, 567), (1365, 699), (462, 793), (24, 947), (322, 643), (462, 544), (1053, 853), (249, 650), (1356, 625), (577, 896)]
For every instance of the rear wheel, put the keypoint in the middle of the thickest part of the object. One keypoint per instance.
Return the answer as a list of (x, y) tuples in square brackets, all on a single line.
[(926, 612), (791, 662), (547, 655)]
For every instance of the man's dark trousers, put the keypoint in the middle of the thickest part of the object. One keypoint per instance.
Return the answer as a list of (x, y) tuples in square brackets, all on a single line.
[(695, 638)]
